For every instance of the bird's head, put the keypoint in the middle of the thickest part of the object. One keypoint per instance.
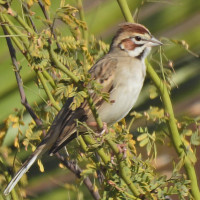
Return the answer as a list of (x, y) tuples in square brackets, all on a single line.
[(135, 39)]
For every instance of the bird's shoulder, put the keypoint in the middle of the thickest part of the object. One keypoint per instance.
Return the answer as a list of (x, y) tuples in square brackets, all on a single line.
[(104, 68)]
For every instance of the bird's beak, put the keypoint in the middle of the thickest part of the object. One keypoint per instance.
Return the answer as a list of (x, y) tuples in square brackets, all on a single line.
[(154, 42)]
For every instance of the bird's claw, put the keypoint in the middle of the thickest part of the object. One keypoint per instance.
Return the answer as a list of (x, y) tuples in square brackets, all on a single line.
[(104, 129), (122, 149)]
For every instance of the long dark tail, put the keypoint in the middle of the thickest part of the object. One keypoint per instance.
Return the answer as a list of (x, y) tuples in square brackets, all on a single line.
[(25, 167), (59, 123)]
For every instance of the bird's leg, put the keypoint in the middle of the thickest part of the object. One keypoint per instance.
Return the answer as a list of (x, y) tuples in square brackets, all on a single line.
[(95, 125), (112, 159), (66, 151), (122, 149), (98, 133), (105, 129)]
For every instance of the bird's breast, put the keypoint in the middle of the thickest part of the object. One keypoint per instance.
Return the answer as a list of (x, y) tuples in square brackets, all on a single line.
[(127, 85)]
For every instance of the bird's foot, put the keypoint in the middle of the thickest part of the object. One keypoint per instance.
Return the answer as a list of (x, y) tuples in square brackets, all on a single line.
[(122, 149), (112, 159), (104, 129), (99, 132)]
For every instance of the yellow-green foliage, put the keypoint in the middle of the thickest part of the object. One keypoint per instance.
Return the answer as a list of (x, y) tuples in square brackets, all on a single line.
[(127, 175)]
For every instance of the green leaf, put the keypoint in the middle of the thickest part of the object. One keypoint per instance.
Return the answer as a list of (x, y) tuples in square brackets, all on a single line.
[(144, 142)]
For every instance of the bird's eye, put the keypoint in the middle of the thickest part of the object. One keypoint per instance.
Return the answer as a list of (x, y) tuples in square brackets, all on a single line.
[(138, 38)]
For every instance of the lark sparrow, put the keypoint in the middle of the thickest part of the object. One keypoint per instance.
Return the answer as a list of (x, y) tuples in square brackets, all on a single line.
[(121, 72)]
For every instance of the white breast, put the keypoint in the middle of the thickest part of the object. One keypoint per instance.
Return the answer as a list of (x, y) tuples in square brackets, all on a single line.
[(127, 86)]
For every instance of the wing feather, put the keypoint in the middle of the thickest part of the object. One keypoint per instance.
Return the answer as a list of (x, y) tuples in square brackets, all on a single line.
[(103, 72)]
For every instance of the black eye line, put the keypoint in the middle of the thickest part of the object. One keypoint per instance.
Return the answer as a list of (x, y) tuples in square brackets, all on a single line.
[(140, 38)]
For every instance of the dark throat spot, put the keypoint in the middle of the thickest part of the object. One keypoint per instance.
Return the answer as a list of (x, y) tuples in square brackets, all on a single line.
[(140, 55)]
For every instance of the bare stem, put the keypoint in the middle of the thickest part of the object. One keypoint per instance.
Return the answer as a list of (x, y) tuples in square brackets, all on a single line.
[(19, 80), (28, 17), (73, 167), (125, 10), (46, 15)]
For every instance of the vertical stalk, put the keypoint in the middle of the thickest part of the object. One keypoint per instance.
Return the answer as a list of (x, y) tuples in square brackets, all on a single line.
[(82, 17), (125, 10), (189, 167), (176, 139)]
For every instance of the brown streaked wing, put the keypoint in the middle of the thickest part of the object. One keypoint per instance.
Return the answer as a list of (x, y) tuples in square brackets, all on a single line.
[(102, 72)]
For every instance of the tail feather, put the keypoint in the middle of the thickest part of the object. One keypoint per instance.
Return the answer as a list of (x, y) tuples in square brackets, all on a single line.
[(25, 167)]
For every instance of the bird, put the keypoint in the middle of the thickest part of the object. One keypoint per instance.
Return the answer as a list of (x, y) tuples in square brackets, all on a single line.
[(121, 72)]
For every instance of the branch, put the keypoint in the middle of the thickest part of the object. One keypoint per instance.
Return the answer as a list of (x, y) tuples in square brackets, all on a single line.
[(10, 28), (10, 33), (89, 140), (77, 171), (19, 80), (48, 18), (29, 19), (125, 10)]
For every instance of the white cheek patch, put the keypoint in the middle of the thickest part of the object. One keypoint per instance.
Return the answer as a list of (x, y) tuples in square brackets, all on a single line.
[(138, 51), (122, 46), (135, 52)]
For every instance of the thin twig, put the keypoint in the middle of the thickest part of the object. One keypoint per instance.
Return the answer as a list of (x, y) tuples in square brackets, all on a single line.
[(48, 18), (43, 10), (19, 80), (28, 15), (77, 171)]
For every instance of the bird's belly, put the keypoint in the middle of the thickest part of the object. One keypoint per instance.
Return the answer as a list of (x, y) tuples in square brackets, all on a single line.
[(122, 99)]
